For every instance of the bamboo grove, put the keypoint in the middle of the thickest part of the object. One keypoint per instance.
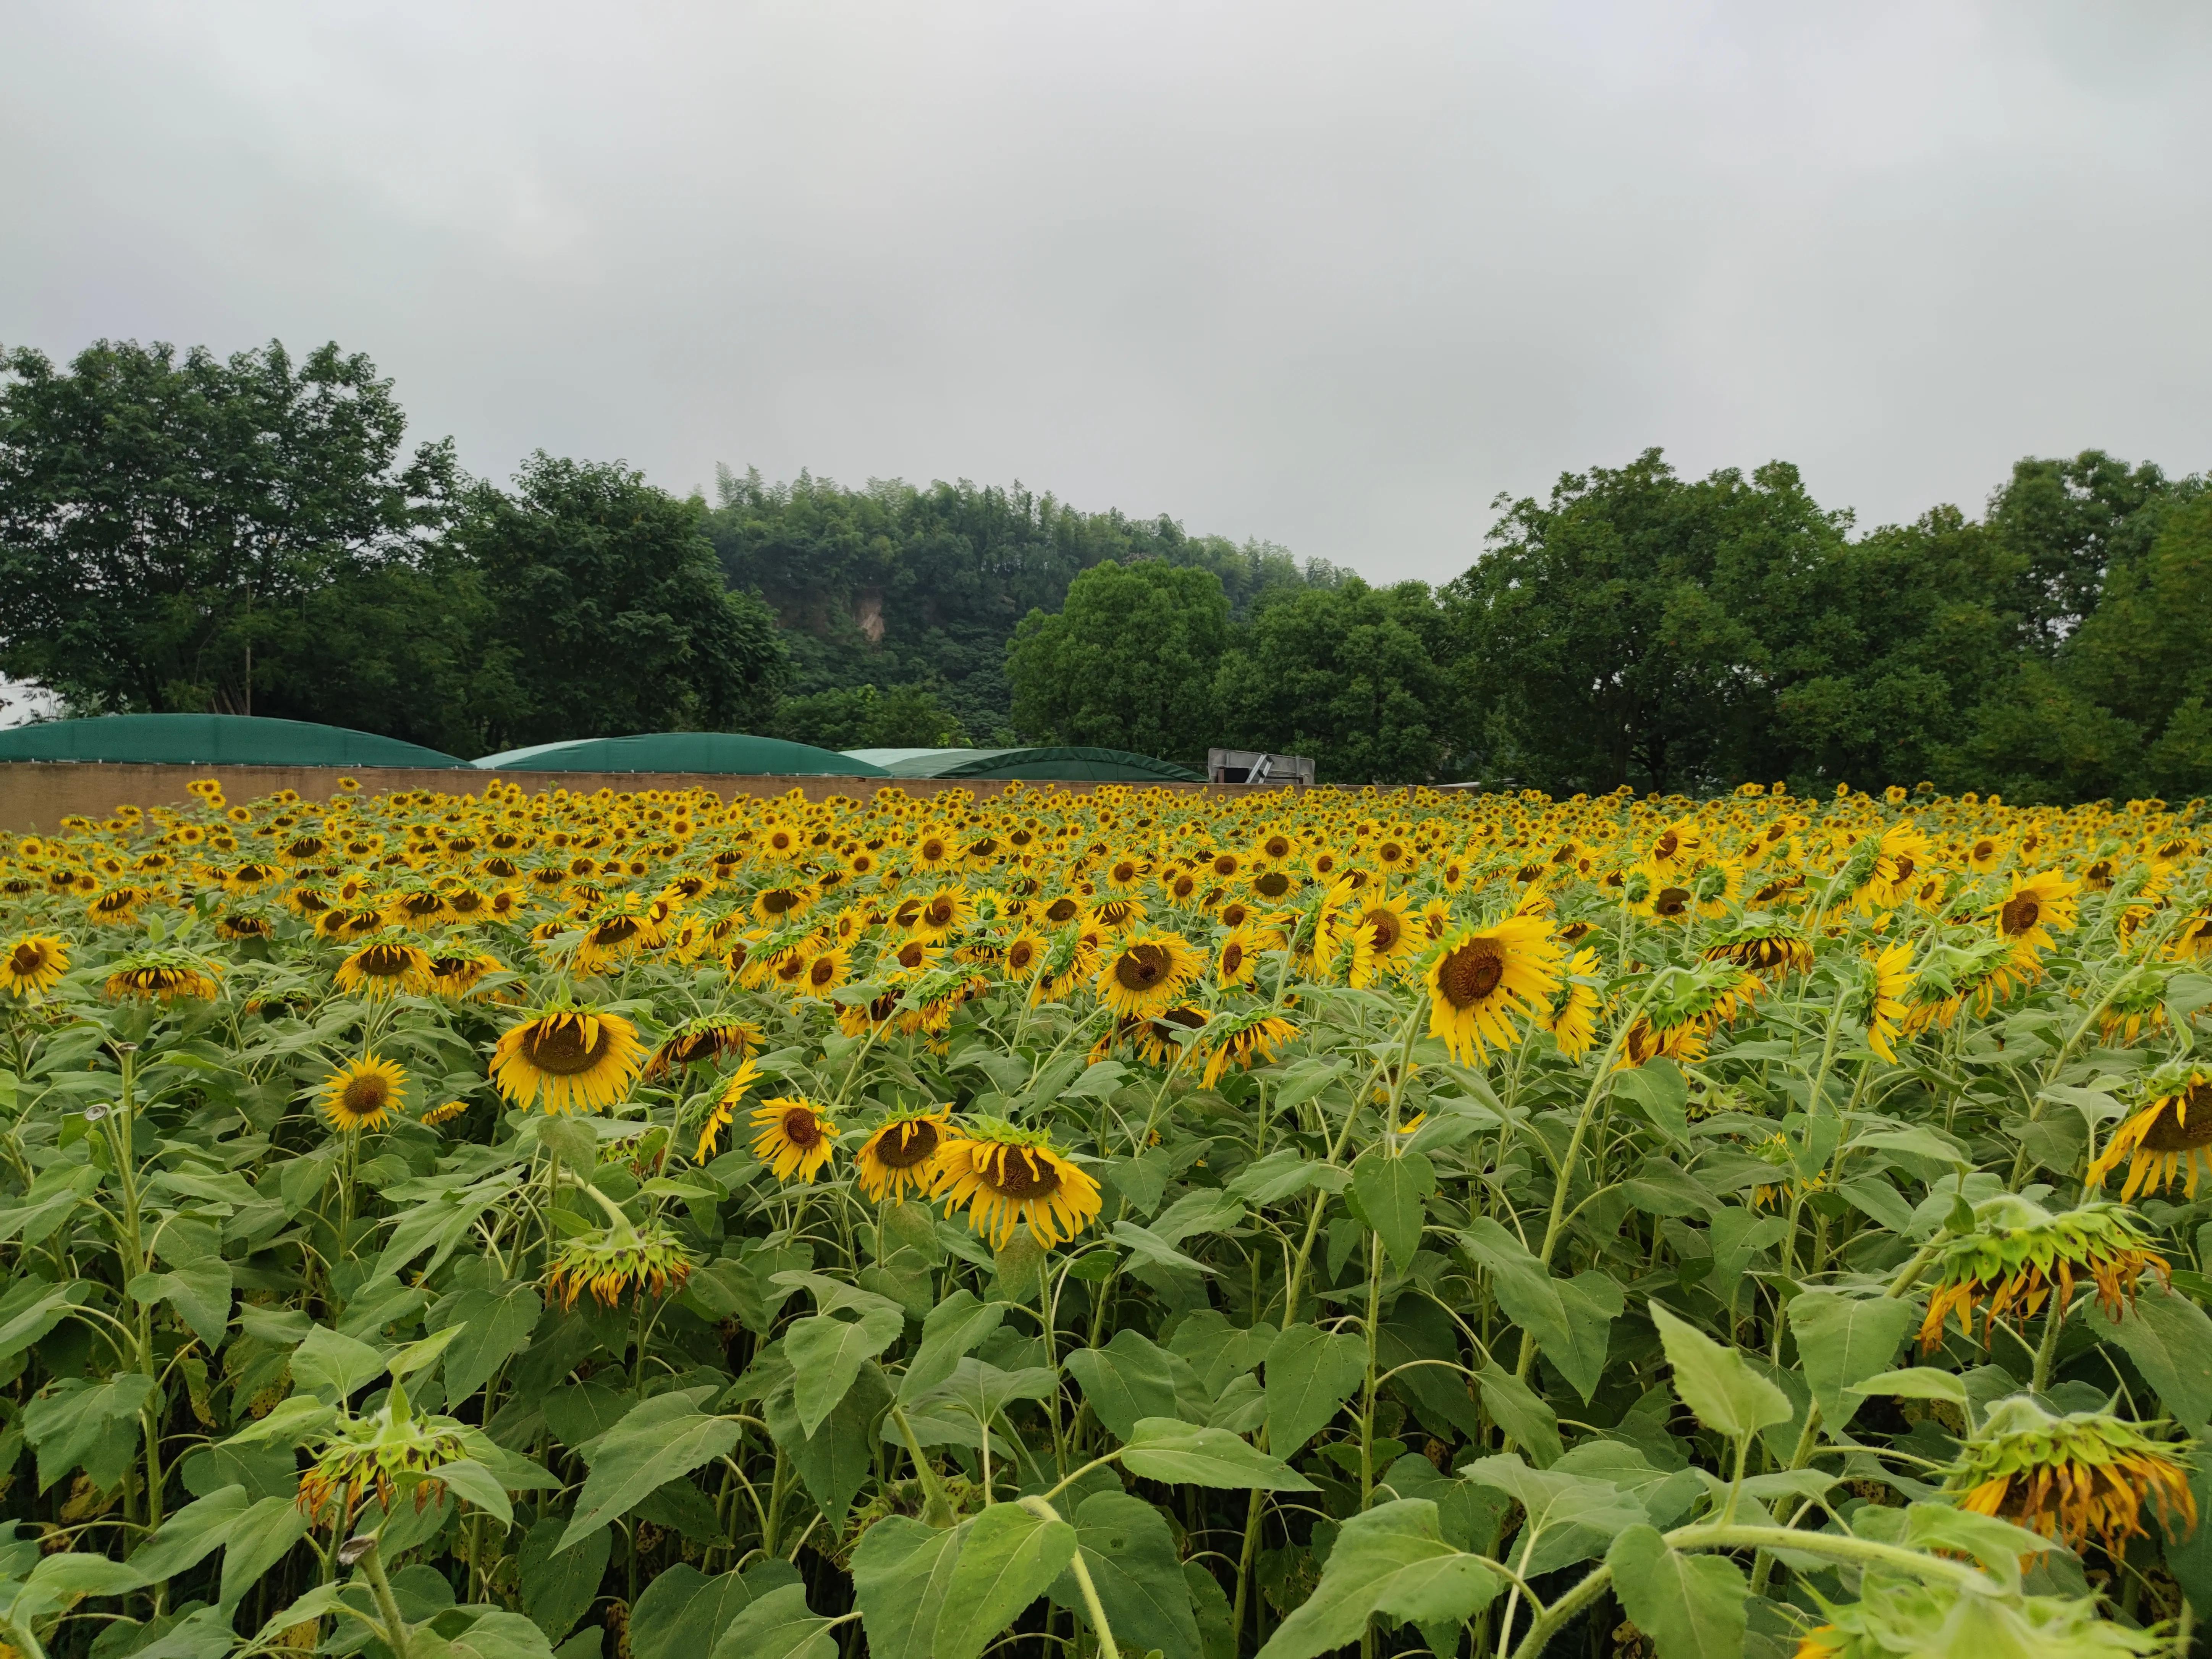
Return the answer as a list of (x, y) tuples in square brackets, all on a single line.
[(651, 1226)]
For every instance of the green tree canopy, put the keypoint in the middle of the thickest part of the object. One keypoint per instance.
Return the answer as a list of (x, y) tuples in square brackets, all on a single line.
[(1129, 663), (863, 717)]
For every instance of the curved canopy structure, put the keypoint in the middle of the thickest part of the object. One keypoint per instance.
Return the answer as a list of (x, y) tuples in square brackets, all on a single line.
[(1053, 763), (730, 752), (211, 740)]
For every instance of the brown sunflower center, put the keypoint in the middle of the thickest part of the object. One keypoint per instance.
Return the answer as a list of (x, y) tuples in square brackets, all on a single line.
[(386, 961), (823, 971), (1666, 846), (905, 1145), (1387, 932), (1271, 885), (557, 1045), (938, 913), (2172, 1131), (1141, 967), (912, 954), (1020, 954), (365, 1095), (27, 959), (1670, 901), (1061, 909), (801, 1128), (1232, 957), (2020, 914), (1471, 973), (1022, 1173), (777, 900)]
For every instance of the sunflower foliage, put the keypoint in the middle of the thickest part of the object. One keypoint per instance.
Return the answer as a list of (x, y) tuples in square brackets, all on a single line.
[(644, 1226)]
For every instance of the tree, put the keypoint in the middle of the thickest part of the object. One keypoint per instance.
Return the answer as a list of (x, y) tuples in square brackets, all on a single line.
[(1129, 662), (2064, 524), (1358, 677), (608, 610), (163, 520), (903, 717)]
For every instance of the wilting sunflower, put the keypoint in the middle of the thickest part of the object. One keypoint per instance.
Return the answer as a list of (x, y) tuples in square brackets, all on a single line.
[(2137, 1005), (725, 1108), (163, 976), (613, 1260), (445, 1114), (2019, 1252), (384, 966), (1952, 974), (2032, 908), (394, 1452), (118, 904), (2171, 1135), (458, 974), (574, 1058), (1570, 1013), (795, 1138), (1007, 1178), (702, 1042), (902, 1152), (2073, 1478), (1480, 979), (34, 962), (1765, 945), (1876, 998), (1242, 1041), (1682, 1009), (363, 1094), (1143, 973)]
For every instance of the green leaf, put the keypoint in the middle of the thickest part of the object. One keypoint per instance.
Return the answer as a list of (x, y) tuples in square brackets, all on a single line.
[(1166, 1448), (192, 1533), (494, 1325), (1153, 1248), (1391, 1560), (1914, 1382), (1657, 1088), (200, 1290), (1728, 1396), (901, 1570), (333, 1368), (683, 1612), (1310, 1373), (256, 1541), (1692, 1606), (76, 1572), (1522, 1413), (1130, 1554), (827, 1353), (470, 1482), (1009, 1558), (1843, 1339), (1217, 1351), (1391, 1191), (1284, 1175), (777, 1625), (32, 1308), (559, 1584), (2169, 1339), (1127, 1380), (953, 1328), (836, 1460), (663, 1439), (92, 1424)]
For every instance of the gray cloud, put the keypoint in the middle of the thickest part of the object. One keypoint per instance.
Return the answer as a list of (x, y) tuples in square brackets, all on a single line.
[(1330, 275)]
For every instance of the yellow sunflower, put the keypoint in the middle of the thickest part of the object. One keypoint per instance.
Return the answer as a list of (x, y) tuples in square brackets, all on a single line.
[(572, 1057), (1235, 962), (1242, 1040), (163, 976), (795, 1138), (1026, 954), (1877, 1002), (725, 1108), (31, 965), (1007, 1178), (1569, 1014), (1382, 941), (2171, 1135), (384, 966), (1145, 972), (2034, 906), (903, 1153), (702, 1042), (1479, 979), (363, 1094)]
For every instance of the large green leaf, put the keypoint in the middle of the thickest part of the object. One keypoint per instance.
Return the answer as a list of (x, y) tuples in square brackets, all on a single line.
[(1310, 1373), (94, 1425), (836, 1460), (332, 1367), (1522, 1413), (257, 1540), (683, 1612), (1728, 1396), (1167, 1449), (1009, 1558), (1125, 1381), (2169, 1339), (1391, 1190), (1843, 1341), (559, 1584), (1393, 1560), (1131, 1557), (1692, 1606), (777, 1625), (826, 1354), (900, 1571), (953, 1328), (495, 1325), (663, 1439), (193, 1533)]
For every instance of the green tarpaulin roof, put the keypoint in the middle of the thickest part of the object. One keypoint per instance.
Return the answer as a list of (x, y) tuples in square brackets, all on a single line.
[(730, 752), (1067, 764), (211, 740)]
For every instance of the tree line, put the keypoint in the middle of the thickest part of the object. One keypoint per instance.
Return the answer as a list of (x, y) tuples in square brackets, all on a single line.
[(251, 534)]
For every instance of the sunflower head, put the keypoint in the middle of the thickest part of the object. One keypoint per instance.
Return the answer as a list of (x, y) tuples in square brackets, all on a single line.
[(1765, 945), (1144, 973), (2018, 1254), (2170, 1134), (2074, 1477), (1479, 979), (1007, 1178), (164, 975), (612, 1262), (568, 1059), (394, 1453), (793, 1136), (703, 1041), (30, 964), (903, 1153), (363, 1094), (384, 966)]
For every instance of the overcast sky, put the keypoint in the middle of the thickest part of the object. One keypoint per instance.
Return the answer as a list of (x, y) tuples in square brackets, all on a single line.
[(1331, 275)]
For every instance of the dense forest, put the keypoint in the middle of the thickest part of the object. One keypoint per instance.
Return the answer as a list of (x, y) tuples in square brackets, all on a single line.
[(251, 534)]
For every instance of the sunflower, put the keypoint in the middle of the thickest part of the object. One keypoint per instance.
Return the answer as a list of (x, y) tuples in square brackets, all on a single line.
[(118, 904), (238, 924), (943, 913), (394, 1452), (903, 1152), (574, 1057), (702, 1042), (725, 1108), (1242, 1041), (1479, 979), (609, 1262), (1951, 976), (826, 970), (2073, 1478), (445, 1114), (1008, 1177), (1877, 1000), (384, 966), (163, 976), (458, 975), (1570, 1014), (1765, 945), (32, 964), (363, 1094), (2019, 1252), (1233, 964), (1026, 954), (2033, 907), (1381, 939), (795, 1138), (1145, 972), (784, 902), (2169, 1136)]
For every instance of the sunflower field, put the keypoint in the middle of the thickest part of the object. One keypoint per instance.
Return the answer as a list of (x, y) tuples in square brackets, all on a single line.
[(1072, 1223)]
